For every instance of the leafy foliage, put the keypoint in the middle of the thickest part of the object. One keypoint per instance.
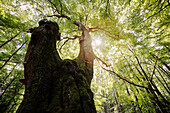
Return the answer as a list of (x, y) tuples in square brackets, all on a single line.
[(135, 43)]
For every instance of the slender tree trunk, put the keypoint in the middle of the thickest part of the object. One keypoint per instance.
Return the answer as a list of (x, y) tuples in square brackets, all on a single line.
[(53, 85), (157, 102)]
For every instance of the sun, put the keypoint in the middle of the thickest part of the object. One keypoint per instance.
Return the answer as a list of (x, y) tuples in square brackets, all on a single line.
[(97, 42)]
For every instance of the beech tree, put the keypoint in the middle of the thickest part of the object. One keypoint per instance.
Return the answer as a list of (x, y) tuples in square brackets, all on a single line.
[(53, 85), (115, 52)]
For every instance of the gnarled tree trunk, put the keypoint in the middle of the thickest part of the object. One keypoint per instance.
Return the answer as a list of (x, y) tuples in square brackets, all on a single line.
[(53, 85)]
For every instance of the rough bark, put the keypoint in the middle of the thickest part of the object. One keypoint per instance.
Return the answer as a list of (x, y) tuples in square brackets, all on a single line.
[(53, 85)]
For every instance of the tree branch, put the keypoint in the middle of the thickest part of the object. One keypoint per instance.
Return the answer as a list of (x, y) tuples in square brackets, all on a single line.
[(80, 25), (158, 12), (7, 87), (154, 68), (102, 61), (12, 55), (140, 65), (9, 40), (8, 75), (54, 6), (94, 29), (60, 16), (126, 79), (75, 37), (61, 7)]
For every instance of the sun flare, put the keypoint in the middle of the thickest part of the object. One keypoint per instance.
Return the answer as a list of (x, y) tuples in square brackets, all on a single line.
[(97, 42)]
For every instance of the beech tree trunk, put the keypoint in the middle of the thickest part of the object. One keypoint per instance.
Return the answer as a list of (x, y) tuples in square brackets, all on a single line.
[(53, 85)]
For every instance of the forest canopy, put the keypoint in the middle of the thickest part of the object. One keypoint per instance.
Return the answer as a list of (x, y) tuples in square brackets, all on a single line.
[(130, 37)]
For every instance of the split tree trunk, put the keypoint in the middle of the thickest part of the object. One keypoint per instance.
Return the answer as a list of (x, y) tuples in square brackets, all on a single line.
[(53, 85)]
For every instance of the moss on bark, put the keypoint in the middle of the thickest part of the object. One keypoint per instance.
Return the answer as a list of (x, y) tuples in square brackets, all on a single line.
[(53, 85)]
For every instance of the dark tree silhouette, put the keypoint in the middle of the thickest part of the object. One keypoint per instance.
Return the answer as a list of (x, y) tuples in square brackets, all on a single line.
[(53, 85)]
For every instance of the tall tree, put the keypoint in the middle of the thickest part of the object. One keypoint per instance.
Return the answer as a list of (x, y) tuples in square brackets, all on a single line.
[(130, 36), (53, 85)]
